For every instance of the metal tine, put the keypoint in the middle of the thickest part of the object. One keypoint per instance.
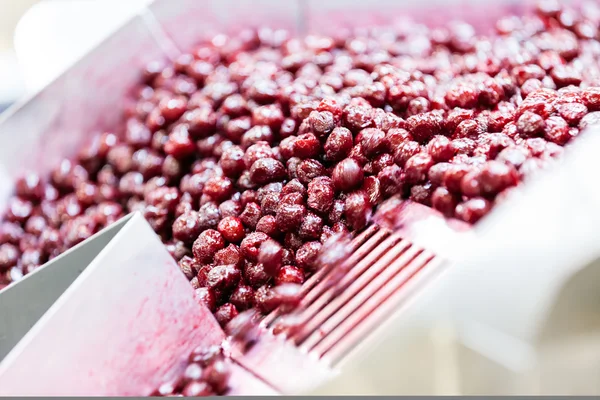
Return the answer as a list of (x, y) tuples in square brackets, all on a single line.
[(318, 283), (318, 279), (415, 280), (377, 272), (366, 302), (329, 288)]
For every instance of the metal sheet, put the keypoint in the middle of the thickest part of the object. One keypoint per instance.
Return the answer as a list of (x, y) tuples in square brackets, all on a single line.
[(129, 321)]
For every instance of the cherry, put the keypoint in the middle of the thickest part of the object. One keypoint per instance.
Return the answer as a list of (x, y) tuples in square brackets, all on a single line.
[(18, 210), (217, 376), (417, 167), (207, 244), (225, 314), (440, 148), (404, 151), (223, 277), (473, 210), (232, 229), (242, 297), (289, 274), (496, 176), (357, 210), (251, 215), (530, 124), (196, 389), (270, 256), (308, 170), (289, 216), (306, 146), (30, 187), (338, 144), (251, 244), (255, 274), (9, 256), (347, 175), (444, 201), (230, 255), (266, 170), (232, 161)]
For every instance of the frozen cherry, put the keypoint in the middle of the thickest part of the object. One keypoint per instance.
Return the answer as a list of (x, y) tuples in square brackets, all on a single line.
[(306, 146), (440, 148), (322, 122), (18, 210), (197, 389), (206, 355), (225, 313), (311, 227), (417, 167), (557, 130), (10, 232), (172, 108), (217, 376), (230, 255), (470, 184), (232, 161), (338, 144), (68, 175), (30, 187), (453, 177), (289, 274), (258, 133), (35, 225), (424, 126), (530, 124), (289, 216), (294, 186), (270, 255), (307, 255), (223, 277), (592, 118), (232, 229), (268, 225), (373, 141), (163, 197), (9, 255), (207, 244), (443, 201), (436, 173), (404, 151), (267, 170), (347, 175), (256, 152), (230, 208), (496, 176), (308, 170), (255, 274), (206, 296), (218, 188), (242, 297), (250, 246), (251, 215), (186, 265), (390, 181), (473, 210), (357, 210)]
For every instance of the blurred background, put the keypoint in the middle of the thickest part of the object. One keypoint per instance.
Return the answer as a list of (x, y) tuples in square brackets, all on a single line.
[(40, 38)]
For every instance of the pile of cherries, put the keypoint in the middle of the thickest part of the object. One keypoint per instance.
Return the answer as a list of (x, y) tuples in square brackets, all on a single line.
[(207, 373), (248, 153)]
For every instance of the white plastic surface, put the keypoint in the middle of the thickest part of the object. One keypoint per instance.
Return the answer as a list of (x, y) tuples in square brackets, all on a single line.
[(53, 34)]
